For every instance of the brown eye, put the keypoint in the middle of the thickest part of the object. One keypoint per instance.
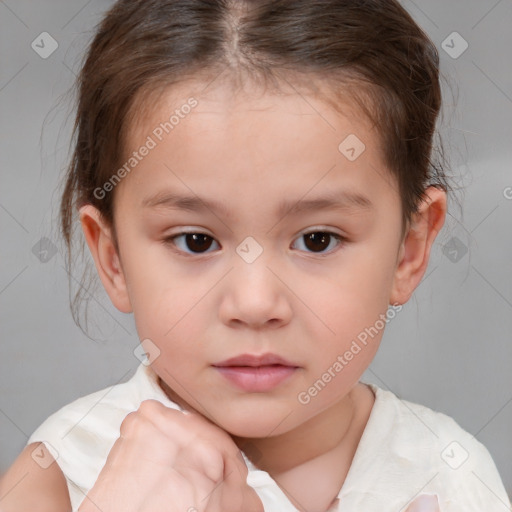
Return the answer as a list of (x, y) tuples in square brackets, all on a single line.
[(196, 243), (319, 241)]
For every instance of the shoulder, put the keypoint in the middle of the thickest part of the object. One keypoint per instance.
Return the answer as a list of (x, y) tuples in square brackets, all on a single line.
[(425, 442), (104, 410), (81, 434), (34, 483), (450, 445), (89, 414)]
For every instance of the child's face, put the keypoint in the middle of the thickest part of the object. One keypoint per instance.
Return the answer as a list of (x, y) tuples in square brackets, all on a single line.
[(204, 301)]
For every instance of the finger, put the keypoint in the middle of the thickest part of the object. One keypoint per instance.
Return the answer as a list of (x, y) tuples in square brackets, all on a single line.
[(202, 456), (334, 505), (252, 502), (234, 492), (424, 503), (175, 424)]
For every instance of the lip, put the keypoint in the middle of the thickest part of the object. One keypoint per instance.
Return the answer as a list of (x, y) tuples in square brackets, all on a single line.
[(255, 360), (256, 373)]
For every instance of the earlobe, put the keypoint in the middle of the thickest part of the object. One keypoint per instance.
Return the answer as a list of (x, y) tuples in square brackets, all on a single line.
[(414, 252), (99, 239)]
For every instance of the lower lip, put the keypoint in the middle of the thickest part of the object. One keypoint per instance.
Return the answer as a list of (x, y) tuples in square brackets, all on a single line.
[(256, 379)]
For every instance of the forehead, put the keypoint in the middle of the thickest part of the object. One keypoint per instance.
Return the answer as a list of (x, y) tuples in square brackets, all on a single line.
[(239, 143), (227, 99)]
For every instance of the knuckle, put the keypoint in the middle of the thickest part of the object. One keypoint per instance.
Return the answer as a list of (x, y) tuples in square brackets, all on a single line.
[(205, 428), (128, 424), (208, 457), (151, 416), (150, 407), (135, 423), (210, 454)]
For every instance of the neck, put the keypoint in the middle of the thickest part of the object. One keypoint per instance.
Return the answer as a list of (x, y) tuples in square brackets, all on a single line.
[(330, 437), (327, 432)]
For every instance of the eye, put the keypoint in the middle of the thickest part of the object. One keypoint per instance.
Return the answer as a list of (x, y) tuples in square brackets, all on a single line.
[(318, 241), (198, 243)]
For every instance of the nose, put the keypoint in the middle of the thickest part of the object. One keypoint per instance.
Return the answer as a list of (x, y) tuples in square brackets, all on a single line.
[(255, 295)]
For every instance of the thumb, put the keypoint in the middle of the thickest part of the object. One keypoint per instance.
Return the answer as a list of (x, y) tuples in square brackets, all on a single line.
[(252, 502), (334, 505), (424, 503)]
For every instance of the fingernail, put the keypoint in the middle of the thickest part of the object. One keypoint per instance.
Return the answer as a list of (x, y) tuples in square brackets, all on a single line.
[(425, 503)]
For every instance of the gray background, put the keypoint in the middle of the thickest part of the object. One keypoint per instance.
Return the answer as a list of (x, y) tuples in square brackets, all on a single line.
[(450, 347)]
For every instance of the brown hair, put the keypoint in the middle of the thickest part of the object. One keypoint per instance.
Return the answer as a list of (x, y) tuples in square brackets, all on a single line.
[(373, 49)]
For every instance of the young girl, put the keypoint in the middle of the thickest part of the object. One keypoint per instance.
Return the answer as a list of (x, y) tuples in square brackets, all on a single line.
[(255, 182)]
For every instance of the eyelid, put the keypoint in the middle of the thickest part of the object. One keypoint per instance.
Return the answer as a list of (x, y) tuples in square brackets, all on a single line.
[(170, 244), (340, 238), (192, 229), (320, 229), (313, 229)]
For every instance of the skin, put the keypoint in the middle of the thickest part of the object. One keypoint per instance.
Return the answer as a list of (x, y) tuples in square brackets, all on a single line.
[(249, 151)]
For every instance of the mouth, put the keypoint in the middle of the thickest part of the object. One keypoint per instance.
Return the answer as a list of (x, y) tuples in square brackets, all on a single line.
[(256, 373)]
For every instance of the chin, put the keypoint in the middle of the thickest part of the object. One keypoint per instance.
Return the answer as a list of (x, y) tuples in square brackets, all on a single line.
[(249, 431), (257, 422)]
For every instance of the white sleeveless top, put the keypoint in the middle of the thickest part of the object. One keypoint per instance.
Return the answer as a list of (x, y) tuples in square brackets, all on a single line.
[(405, 450)]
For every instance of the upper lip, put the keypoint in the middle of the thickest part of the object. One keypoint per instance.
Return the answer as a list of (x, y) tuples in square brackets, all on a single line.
[(255, 360)]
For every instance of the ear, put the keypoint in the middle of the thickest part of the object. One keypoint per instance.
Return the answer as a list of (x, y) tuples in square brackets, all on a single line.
[(414, 252), (99, 239)]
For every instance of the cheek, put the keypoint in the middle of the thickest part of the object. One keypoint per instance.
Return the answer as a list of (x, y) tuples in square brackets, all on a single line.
[(342, 352), (351, 339), (348, 317), (164, 302), (349, 299), (168, 313)]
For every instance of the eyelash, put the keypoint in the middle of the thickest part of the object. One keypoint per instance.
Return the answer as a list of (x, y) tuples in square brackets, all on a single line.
[(170, 241)]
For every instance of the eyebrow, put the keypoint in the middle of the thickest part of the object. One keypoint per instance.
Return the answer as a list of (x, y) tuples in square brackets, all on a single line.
[(339, 200)]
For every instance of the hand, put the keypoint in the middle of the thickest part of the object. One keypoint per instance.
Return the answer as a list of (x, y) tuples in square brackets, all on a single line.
[(424, 503), (171, 461)]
